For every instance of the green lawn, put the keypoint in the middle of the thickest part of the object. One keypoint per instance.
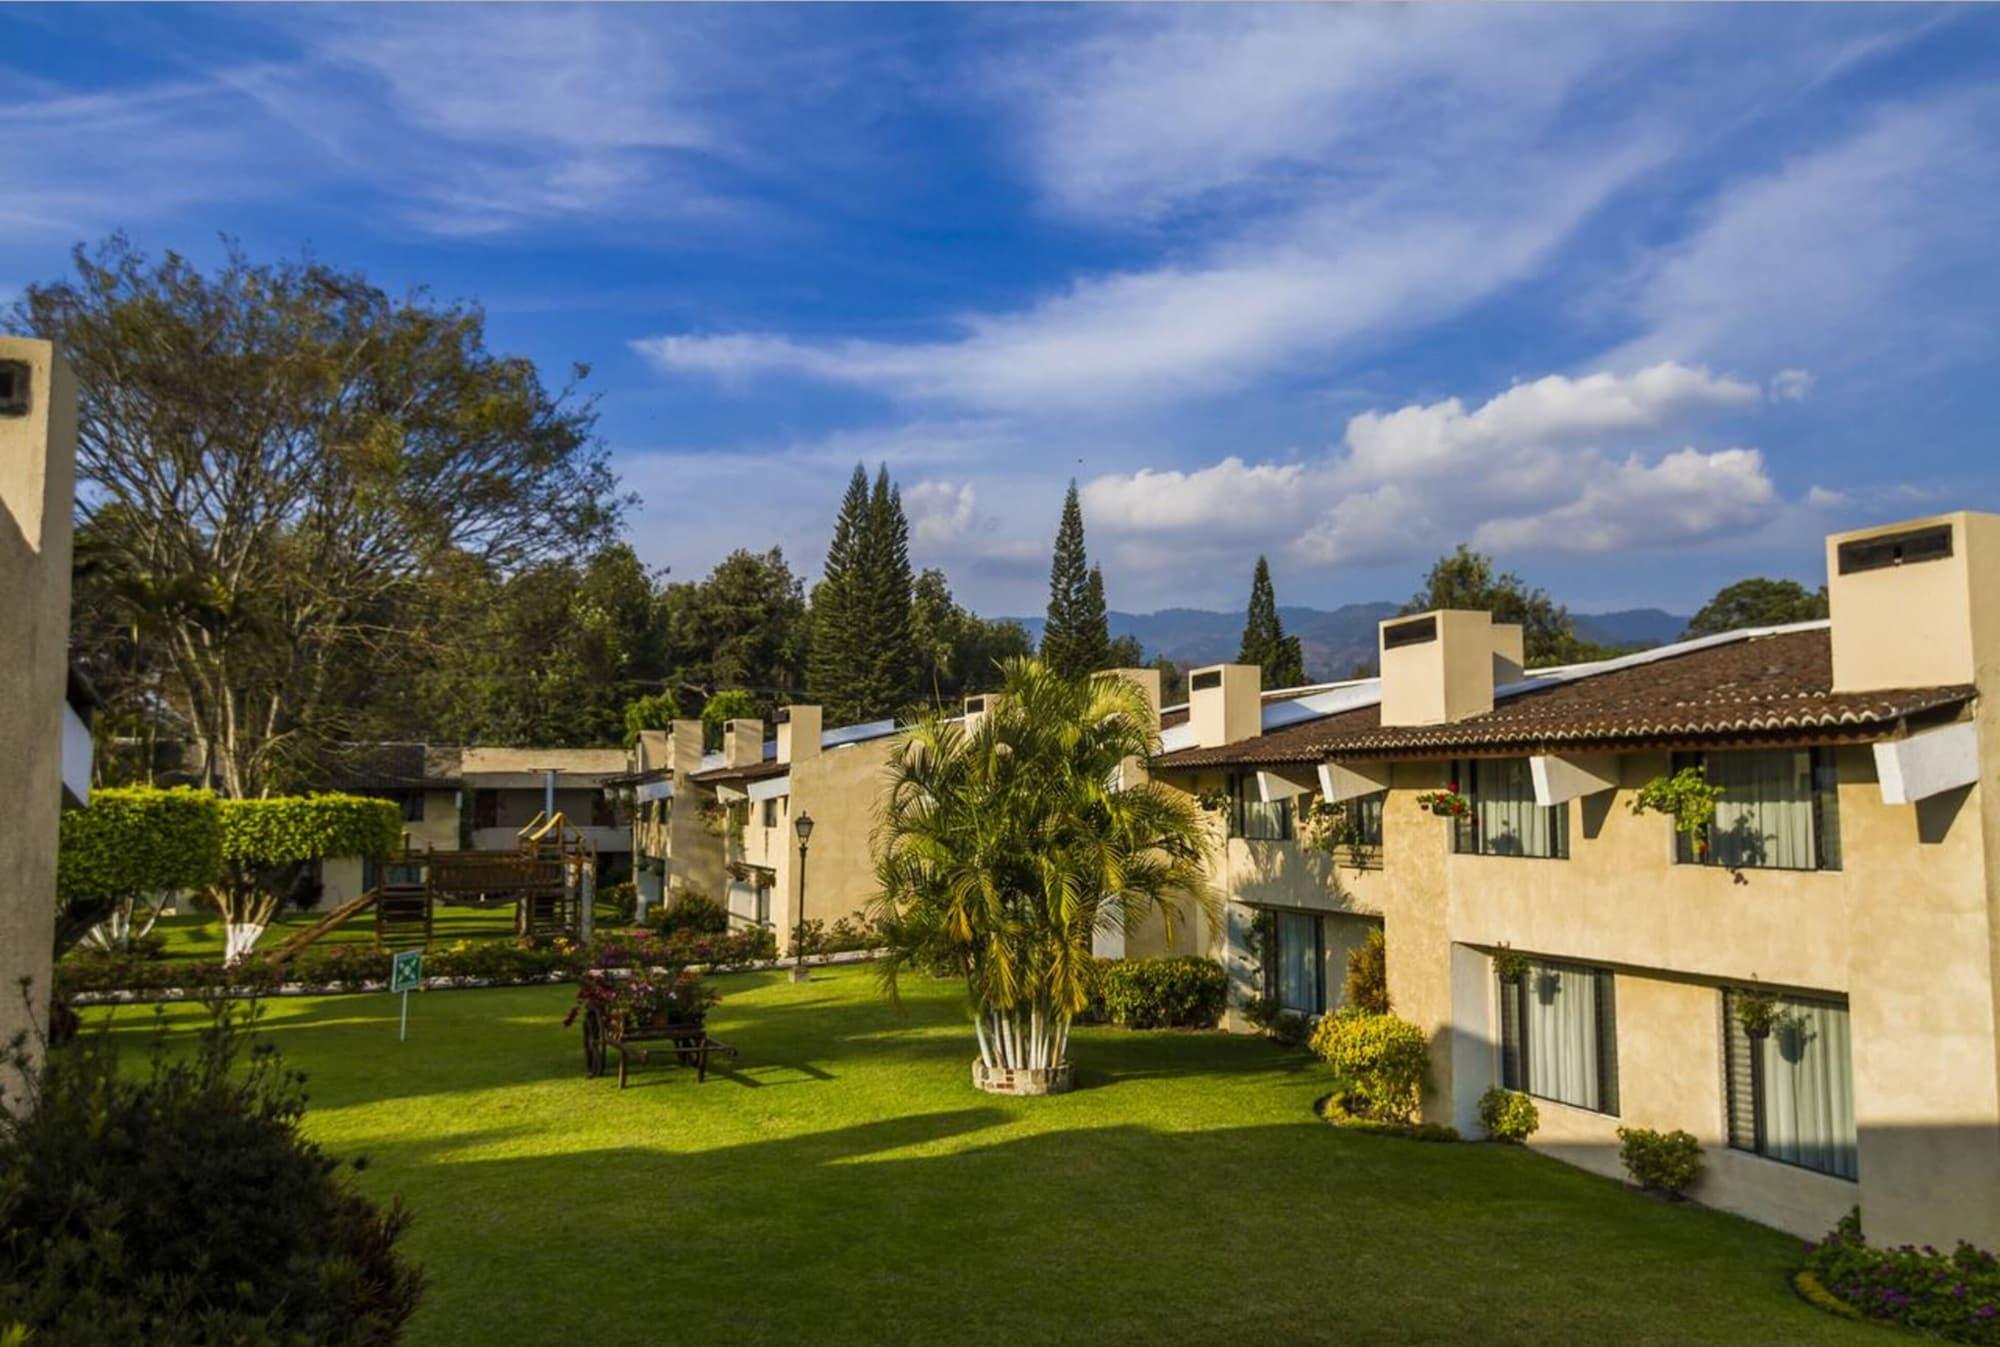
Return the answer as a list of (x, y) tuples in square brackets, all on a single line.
[(845, 1184), (197, 934)]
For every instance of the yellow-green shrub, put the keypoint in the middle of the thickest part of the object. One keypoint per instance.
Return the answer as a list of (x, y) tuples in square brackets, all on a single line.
[(1508, 1115), (1380, 1063)]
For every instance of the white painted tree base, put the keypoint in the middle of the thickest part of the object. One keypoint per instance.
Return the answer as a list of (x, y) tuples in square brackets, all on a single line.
[(1023, 1080)]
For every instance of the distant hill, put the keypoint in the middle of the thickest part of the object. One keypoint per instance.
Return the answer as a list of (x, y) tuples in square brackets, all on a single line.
[(1337, 641)]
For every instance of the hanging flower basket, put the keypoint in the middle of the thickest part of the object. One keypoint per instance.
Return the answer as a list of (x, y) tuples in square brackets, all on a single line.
[(1512, 967), (1757, 1012), (1446, 803)]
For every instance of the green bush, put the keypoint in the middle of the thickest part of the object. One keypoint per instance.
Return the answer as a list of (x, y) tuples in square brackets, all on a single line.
[(183, 1206), (1508, 1115), (130, 845), (1185, 992), (1380, 1063), (1955, 1296), (689, 910), (1367, 984), (1664, 1162), (1282, 1026)]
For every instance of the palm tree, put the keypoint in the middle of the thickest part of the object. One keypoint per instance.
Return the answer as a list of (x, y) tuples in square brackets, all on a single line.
[(1004, 848)]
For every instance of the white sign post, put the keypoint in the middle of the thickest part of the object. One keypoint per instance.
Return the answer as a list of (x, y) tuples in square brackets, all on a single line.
[(406, 974)]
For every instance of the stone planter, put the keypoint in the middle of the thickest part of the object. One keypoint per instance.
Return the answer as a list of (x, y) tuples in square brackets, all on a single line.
[(1010, 1080)]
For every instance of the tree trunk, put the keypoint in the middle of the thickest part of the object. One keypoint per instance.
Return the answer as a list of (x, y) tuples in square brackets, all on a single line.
[(1026, 1038)]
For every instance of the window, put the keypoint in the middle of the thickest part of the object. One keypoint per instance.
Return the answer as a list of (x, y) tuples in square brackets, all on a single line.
[(1791, 1093), (486, 809), (603, 813), (1504, 819), (412, 802), (1365, 815), (770, 814), (1559, 1035), (1251, 818), (764, 902), (1780, 810), (1295, 963)]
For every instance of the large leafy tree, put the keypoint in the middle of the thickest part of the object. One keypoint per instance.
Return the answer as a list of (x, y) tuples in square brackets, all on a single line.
[(1264, 639), (1005, 849), (275, 461), (1466, 579), (1758, 602), (743, 626), (1076, 639), (958, 652)]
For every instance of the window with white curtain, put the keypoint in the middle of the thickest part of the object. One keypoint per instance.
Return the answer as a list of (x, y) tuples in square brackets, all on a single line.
[(1791, 1093), (1294, 965), (1779, 810), (1254, 819), (1559, 1035), (1504, 819)]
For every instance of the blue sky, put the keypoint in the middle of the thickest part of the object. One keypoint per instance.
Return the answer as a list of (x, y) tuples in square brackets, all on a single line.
[(1641, 299)]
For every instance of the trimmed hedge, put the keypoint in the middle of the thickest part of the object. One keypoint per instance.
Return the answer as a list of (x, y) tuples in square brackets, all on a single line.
[(286, 829), (139, 841), (355, 967), (1955, 1296), (1183, 992), (1665, 1162)]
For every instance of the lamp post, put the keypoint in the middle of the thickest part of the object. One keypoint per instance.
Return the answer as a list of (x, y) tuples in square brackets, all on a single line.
[(803, 826)]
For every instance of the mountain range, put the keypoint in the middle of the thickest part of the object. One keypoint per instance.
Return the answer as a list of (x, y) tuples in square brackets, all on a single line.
[(1339, 640)]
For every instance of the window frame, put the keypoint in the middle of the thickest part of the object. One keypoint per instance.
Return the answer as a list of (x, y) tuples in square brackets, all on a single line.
[(1466, 839), (1240, 805), (1513, 1040), (1735, 1040), (1824, 766), (767, 816), (1274, 959)]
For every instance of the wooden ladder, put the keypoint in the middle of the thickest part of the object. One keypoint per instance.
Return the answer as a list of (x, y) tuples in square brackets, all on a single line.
[(403, 917)]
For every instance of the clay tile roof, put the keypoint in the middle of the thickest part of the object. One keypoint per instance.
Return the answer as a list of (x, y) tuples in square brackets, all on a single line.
[(736, 776), (1760, 689)]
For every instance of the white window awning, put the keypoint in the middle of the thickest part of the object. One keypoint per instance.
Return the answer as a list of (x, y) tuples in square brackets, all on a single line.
[(1928, 763), (1283, 783), (1351, 780), (770, 788), (1560, 778), (662, 789)]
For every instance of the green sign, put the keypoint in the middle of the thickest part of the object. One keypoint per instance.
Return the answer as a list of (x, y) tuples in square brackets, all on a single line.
[(406, 971)]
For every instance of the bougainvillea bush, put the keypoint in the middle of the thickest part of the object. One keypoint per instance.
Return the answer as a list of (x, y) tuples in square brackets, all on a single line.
[(1953, 1295), (644, 1000)]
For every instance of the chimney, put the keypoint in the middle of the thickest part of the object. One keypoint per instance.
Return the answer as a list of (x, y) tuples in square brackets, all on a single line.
[(684, 739), (1443, 665), (1148, 682), (742, 743), (653, 750), (1911, 602), (798, 733), (976, 707), (1225, 704)]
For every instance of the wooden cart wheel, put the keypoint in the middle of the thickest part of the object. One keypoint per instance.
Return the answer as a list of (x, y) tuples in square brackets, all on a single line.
[(593, 1044)]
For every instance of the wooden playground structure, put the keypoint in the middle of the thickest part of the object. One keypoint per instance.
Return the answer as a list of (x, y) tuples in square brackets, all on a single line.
[(549, 876)]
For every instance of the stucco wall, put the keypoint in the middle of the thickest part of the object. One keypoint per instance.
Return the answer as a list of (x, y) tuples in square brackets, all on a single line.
[(37, 485), (842, 789)]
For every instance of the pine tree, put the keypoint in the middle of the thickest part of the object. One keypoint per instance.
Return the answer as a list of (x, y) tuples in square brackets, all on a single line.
[(888, 661), (1264, 639), (832, 672), (1075, 638)]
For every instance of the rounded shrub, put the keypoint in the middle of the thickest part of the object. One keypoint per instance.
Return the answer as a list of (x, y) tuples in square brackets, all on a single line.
[(1381, 1063), (1508, 1115), (1661, 1162), (1184, 992)]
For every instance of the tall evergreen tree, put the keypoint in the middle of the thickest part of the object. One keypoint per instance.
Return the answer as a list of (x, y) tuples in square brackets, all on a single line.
[(1076, 638), (832, 673), (889, 665), (1264, 639)]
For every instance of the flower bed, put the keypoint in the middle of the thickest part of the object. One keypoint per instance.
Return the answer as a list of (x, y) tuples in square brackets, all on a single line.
[(1955, 1296), (351, 968)]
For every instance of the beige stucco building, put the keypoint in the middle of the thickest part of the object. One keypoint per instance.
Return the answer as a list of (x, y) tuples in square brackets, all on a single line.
[(37, 492), (1850, 873)]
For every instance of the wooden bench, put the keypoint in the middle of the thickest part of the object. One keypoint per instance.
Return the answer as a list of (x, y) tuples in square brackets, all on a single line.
[(689, 1043)]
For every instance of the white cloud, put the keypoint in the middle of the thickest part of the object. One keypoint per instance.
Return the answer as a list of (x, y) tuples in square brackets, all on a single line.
[(1825, 498), (1558, 464), (1791, 385), (940, 513)]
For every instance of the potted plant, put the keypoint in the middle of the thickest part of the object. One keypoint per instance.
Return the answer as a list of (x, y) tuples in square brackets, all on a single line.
[(642, 1002), (1446, 803), (1688, 796), (1512, 967), (1757, 1012), (1327, 827), (1213, 801)]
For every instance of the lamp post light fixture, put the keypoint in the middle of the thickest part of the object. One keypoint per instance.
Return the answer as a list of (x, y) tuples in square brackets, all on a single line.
[(803, 826)]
